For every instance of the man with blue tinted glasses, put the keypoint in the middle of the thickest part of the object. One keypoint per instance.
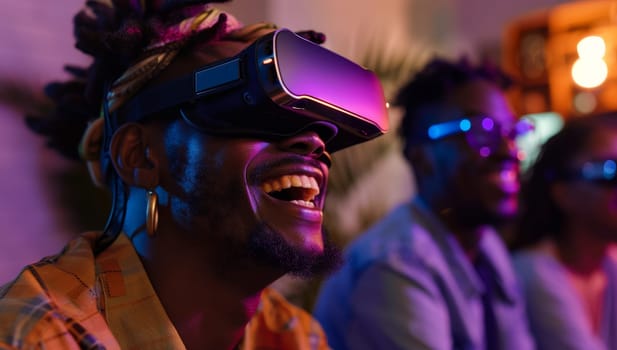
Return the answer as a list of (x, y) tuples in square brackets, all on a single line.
[(564, 247), (434, 273)]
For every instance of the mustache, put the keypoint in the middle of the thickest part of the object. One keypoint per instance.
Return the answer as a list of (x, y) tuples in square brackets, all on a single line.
[(498, 159)]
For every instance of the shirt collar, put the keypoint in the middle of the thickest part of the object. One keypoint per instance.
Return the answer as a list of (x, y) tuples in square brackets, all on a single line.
[(490, 246), (130, 305)]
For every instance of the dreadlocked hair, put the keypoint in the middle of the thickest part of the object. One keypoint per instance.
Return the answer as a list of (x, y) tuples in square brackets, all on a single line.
[(115, 33), (540, 216), (436, 81)]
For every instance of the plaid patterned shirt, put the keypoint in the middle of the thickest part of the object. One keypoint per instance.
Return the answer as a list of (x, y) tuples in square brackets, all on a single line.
[(75, 300)]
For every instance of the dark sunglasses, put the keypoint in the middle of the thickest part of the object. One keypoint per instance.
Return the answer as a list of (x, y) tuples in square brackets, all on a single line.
[(482, 133), (598, 172)]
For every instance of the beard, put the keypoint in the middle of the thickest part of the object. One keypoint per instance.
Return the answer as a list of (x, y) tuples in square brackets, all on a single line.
[(207, 203), (472, 217), (261, 244), (269, 247)]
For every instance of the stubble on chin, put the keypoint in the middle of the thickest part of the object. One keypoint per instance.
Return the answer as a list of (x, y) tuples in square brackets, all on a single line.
[(231, 245), (268, 247)]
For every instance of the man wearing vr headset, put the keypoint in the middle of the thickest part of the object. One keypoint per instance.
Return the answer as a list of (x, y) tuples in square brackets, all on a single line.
[(215, 142), (434, 274)]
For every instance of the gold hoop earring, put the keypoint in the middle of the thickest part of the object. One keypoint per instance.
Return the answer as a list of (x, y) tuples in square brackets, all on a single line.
[(152, 213)]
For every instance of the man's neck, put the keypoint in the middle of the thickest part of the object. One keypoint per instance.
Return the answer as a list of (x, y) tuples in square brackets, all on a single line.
[(214, 318), (467, 236), (582, 251), (208, 302), (469, 240)]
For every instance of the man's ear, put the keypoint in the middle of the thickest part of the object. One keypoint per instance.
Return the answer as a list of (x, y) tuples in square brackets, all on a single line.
[(132, 157)]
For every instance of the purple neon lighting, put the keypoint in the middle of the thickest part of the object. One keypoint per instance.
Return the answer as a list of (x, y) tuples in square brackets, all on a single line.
[(488, 124), (329, 78)]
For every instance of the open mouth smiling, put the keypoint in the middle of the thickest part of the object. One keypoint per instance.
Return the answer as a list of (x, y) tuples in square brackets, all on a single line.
[(302, 190)]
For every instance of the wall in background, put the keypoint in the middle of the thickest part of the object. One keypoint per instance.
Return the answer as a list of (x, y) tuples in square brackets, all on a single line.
[(35, 42)]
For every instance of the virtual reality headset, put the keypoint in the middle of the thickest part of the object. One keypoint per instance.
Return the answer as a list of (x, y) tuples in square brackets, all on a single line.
[(280, 85)]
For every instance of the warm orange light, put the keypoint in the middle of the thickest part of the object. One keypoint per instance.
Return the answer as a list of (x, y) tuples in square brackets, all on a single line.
[(591, 47), (590, 70)]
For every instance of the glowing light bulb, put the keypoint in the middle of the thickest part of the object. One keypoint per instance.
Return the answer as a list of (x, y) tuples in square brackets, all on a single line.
[(590, 70), (591, 47), (589, 73)]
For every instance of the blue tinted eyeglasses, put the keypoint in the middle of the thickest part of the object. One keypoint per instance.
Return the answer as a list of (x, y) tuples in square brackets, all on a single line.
[(481, 132), (599, 172)]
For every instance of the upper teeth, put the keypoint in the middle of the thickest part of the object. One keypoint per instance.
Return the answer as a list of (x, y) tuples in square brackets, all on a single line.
[(288, 181)]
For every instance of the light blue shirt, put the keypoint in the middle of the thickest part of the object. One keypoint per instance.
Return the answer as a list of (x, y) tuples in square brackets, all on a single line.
[(557, 317), (407, 284)]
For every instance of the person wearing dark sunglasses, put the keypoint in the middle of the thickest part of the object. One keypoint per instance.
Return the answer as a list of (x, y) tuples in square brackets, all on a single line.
[(434, 273), (215, 141), (565, 253)]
